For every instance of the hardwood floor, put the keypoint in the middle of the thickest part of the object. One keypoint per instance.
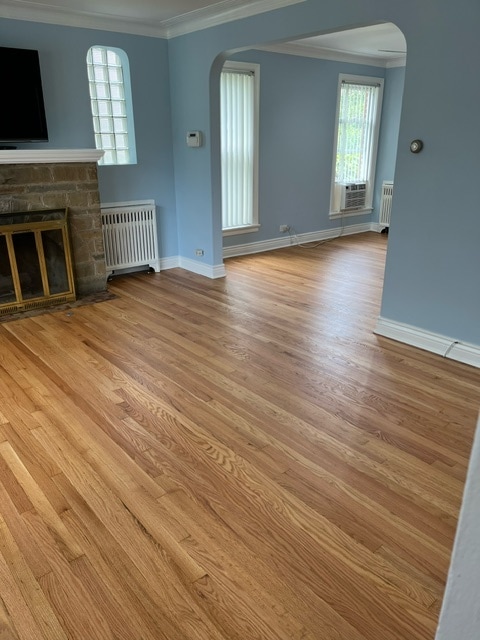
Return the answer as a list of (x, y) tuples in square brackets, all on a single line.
[(232, 459)]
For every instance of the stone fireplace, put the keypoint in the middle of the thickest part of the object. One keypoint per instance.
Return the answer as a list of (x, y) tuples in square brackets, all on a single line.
[(66, 179)]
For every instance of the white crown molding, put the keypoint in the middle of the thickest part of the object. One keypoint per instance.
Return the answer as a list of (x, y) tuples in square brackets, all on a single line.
[(24, 10), (214, 15), (401, 61), (211, 16), (296, 49), (433, 342), (219, 13), (34, 156)]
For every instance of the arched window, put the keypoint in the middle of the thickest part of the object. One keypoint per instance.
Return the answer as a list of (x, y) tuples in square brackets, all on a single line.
[(111, 103)]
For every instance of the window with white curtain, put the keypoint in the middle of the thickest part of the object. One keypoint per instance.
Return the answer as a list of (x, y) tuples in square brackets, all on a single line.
[(239, 146), (111, 104), (359, 107)]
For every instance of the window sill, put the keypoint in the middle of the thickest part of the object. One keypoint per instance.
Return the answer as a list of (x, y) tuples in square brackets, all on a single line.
[(350, 214), (117, 164), (235, 231)]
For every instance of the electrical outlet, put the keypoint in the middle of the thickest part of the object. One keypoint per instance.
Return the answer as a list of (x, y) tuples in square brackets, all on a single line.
[(199, 252), (284, 228)]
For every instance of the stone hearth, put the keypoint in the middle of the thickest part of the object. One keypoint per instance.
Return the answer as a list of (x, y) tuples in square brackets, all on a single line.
[(50, 179)]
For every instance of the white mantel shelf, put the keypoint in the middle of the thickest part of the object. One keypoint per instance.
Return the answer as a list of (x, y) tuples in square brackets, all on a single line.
[(36, 156)]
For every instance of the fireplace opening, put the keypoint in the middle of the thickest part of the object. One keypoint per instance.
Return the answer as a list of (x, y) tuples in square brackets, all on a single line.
[(35, 260)]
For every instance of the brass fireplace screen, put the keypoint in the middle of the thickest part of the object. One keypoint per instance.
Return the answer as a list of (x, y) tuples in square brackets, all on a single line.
[(35, 260)]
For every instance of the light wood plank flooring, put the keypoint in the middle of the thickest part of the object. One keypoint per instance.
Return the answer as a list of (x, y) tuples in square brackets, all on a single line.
[(231, 459)]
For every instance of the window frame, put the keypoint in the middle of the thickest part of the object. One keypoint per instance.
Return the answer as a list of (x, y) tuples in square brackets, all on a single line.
[(253, 68), (127, 90), (335, 211)]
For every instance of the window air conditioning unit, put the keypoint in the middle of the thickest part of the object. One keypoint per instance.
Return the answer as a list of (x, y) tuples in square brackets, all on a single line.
[(353, 196)]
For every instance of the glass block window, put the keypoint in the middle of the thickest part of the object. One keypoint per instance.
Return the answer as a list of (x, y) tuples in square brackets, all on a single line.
[(111, 104)]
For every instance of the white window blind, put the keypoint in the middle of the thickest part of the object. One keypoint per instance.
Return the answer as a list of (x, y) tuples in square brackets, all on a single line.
[(357, 120), (109, 106), (237, 126)]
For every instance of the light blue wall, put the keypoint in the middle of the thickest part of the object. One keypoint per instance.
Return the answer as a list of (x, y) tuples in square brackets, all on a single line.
[(433, 258), (197, 228), (388, 141), (62, 53), (298, 98)]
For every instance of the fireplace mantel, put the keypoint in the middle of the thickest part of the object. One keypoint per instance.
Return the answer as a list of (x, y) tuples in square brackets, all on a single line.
[(50, 156)]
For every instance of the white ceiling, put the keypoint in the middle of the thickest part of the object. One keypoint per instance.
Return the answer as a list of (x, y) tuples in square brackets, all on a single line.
[(143, 11), (381, 40), (168, 18), (381, 45), (161, 18)]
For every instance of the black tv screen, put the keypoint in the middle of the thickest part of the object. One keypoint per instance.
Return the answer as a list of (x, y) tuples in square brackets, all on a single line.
[(22, 111)]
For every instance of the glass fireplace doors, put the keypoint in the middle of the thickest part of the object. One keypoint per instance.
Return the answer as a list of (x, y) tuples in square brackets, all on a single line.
[(35, 260)]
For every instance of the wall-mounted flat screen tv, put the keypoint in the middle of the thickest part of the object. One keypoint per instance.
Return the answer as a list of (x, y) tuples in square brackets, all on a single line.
[(22, 110)]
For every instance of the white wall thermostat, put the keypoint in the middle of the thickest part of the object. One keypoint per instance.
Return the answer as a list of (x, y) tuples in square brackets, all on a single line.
[(194, 139)]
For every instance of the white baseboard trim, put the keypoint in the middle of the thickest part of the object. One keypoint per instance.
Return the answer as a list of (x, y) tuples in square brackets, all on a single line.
[(174, 262), (292, 240), (433, 342), (208, 270), (219, 271), (169, 263), (376, 226)]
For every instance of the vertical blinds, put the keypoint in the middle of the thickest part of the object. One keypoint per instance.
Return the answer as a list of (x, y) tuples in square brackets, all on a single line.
[(356, 123), (237, 115)]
